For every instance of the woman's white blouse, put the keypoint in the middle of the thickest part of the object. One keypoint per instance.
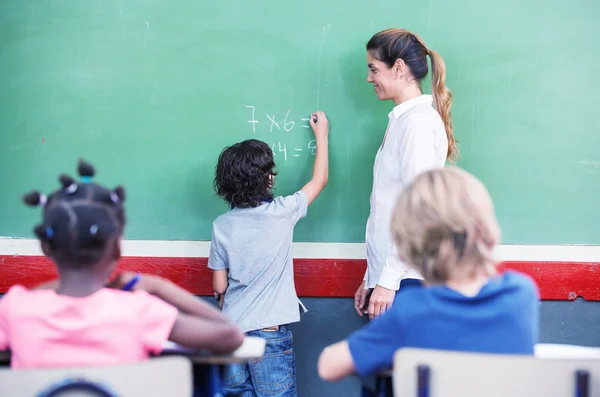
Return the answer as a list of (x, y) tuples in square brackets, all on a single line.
[(415, 141)]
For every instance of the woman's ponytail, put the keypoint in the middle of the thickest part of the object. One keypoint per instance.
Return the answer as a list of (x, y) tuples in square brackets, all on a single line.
[(442, 100)]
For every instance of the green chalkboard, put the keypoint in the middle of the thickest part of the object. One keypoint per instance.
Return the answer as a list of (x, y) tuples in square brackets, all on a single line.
[(151, 91)]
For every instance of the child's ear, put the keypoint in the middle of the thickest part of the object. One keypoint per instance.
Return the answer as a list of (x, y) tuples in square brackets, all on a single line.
[(46, 248), (117, 249)]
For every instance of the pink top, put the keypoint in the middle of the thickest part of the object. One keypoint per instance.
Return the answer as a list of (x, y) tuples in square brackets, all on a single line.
[(44, 329)]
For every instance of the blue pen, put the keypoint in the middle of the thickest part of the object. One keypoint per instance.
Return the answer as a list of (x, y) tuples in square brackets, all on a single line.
[(129, 286)]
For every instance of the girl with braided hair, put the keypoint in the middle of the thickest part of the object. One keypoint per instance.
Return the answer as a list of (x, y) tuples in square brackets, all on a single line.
[(76, 320)]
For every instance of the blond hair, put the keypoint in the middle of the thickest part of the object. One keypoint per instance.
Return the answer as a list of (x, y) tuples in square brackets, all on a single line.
[(445, 227), (392, 44)]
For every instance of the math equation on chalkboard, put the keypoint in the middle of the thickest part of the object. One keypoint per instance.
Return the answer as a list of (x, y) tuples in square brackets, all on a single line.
[(281, 122)]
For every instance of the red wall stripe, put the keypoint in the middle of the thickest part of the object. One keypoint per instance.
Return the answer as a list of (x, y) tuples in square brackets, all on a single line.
[(314, 277)]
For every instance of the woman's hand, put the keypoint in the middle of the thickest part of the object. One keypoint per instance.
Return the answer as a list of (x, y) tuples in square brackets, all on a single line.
[(360, 298), (380, 301)]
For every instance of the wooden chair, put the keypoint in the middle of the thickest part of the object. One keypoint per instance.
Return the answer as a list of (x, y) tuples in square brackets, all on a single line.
[(432, 373), (561, 351), (159, 377)]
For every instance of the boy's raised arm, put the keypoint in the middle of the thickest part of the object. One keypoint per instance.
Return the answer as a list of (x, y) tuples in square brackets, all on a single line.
[(321, 168)]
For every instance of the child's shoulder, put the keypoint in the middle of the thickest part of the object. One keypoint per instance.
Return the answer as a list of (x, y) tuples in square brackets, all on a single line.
[(514, 279), (15, 292), (292, 201), (279, 205), (20, 291), (413, 300), (19, 298), (17, 289)]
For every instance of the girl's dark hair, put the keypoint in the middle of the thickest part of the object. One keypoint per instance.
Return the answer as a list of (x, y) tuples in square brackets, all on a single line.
[(392, 44), (80, 220), (244, 172)]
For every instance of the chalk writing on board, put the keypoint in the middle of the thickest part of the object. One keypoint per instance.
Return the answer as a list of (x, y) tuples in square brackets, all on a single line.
[(305, 125), (273, 122), (287, 123), (284, 150), (312, 145), (278, 125), (253, 121)]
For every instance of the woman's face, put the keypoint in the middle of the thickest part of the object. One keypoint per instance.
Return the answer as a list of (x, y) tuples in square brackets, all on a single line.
[(385, 80)]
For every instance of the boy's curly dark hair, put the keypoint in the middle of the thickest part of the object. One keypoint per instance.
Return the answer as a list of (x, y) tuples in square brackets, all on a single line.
[(80, 220), (244, 172)]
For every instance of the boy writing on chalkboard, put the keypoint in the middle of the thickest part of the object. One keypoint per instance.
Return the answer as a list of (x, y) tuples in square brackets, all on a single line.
[(251, 258)]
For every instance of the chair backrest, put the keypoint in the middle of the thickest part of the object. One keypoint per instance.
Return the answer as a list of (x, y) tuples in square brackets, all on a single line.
[(449, 374), (158, 377), (560, 351)]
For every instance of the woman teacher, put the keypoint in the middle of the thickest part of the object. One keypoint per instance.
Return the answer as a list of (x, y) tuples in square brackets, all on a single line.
[(418, 137)]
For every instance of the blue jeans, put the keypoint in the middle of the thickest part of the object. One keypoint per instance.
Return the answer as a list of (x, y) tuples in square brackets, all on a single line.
[(274, 375)]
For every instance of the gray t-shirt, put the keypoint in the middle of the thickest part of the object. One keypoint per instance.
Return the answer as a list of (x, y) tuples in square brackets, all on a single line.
[(255, 245)]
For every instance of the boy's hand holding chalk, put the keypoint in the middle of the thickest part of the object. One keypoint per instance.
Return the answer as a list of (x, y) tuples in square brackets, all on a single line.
[(319, 124)]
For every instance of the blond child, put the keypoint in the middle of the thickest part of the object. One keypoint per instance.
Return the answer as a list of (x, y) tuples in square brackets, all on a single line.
[(444, 226)]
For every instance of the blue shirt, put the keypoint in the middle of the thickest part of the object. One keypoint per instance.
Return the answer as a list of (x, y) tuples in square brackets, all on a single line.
[(255, 246), (502, 318)]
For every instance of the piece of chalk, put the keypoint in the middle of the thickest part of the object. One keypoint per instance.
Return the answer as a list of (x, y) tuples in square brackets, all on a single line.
[(315, 119)]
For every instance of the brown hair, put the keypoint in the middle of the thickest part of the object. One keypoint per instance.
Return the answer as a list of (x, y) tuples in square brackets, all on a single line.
[(392, 44), (444, 225)]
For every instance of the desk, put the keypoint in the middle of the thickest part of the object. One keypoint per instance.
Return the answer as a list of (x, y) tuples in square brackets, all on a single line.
[(209, 368), (252, 349)]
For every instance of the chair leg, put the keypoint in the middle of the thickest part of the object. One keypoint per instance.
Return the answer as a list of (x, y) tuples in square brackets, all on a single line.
[(366, 392), (423, 381), (582, 383), (384, 387), (387, 389)]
